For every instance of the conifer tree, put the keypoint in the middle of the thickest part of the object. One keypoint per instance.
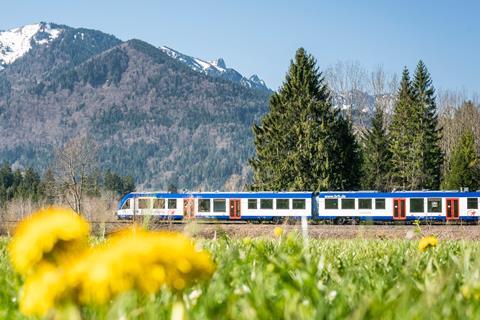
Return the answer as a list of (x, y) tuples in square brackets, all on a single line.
[(415, 137), (30, 186), (464, 166), (49, 186), (347, 164), (376, 160), (302, 143), (128, 184), (429, 134), (402, 136)]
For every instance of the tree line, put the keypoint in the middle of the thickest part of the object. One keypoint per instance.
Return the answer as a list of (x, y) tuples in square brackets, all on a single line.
[(73, 176), (305, 142)]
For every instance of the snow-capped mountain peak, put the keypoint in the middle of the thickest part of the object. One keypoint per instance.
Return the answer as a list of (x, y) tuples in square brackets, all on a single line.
[(254, 78), (219, 63), (216, 68), (195, 63), (14, 43)]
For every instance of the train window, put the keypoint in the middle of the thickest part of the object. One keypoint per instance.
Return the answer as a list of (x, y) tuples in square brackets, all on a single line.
[(298, 204), (434, 205), (158, 203), (144, 203), (203, 205), (172, 203), (348, 203), (331, 203), (126, 205), (252, 203), (266, 204), (416, 205), (379, 204), (219, 205), (282, 204), (472, 203), (364, 203)]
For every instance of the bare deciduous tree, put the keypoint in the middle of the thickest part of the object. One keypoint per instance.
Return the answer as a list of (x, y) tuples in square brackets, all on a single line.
[(348, 82), (384, 88), (353, 89), (454, 120), (75, 164)]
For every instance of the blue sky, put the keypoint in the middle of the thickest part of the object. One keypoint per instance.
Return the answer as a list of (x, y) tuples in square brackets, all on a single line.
[(262, 36)]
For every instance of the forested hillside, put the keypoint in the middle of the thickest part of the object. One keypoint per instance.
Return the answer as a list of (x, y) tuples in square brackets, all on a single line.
[(152, 116)]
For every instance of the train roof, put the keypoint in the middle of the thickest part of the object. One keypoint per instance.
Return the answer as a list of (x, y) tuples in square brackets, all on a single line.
[(221, 194), (399, 194)]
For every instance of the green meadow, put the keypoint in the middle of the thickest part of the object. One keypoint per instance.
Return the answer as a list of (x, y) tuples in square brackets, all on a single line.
[(323, 279)]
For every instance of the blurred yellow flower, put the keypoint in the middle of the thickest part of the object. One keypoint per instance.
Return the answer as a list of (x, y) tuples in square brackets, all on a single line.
[(61, 271), (42, 290), (247, 241), (140, 260), (427, 242), (471, 292), (49, 235), (278, 231)]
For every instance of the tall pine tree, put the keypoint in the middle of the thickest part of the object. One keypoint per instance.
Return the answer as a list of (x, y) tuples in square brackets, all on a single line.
[(302, 143), (376, 160), (347, 163), (464, 166), (30, 187), (49, 186), (403, 137), (429, 134)]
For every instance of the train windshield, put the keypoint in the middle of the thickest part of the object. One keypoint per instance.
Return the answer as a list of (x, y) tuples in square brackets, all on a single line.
[(126, 205)]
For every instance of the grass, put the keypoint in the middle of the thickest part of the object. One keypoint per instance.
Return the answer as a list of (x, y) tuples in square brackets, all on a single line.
[(329, 279)]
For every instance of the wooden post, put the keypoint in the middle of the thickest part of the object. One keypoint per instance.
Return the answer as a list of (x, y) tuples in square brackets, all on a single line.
[(305, 230)]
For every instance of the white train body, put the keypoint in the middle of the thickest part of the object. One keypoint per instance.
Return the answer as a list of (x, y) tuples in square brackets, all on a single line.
[(338, 206), (218, 205), (399, 206)]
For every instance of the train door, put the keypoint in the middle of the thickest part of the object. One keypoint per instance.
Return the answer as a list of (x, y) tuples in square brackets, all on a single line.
[(399, 209), (235, 210), (188, 208), (452, 209)]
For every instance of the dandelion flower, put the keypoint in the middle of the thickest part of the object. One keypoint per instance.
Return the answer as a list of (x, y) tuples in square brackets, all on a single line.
[(465, 290), (49, 235), (278, 231), (140, 260), (427, 242), (247, 241), (42, 290), (471, 292)]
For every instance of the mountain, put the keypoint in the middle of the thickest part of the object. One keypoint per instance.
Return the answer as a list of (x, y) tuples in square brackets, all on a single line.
[(16, 42), (217, 68), (151, 115)]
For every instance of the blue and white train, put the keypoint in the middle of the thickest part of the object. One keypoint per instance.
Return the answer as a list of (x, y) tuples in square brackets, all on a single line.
[(339, 206)]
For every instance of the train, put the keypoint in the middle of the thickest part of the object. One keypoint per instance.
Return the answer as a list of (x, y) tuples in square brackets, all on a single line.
[(340, 207)]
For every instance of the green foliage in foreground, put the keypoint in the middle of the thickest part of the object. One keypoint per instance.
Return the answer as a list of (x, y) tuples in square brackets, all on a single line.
[(331, 279)]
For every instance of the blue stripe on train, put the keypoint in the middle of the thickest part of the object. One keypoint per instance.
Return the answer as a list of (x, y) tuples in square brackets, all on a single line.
[(390, 218), (180, 217), (362, 218)]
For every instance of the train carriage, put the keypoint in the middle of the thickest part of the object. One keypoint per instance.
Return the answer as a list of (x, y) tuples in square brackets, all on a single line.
[(218, 205), (398, 206)]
